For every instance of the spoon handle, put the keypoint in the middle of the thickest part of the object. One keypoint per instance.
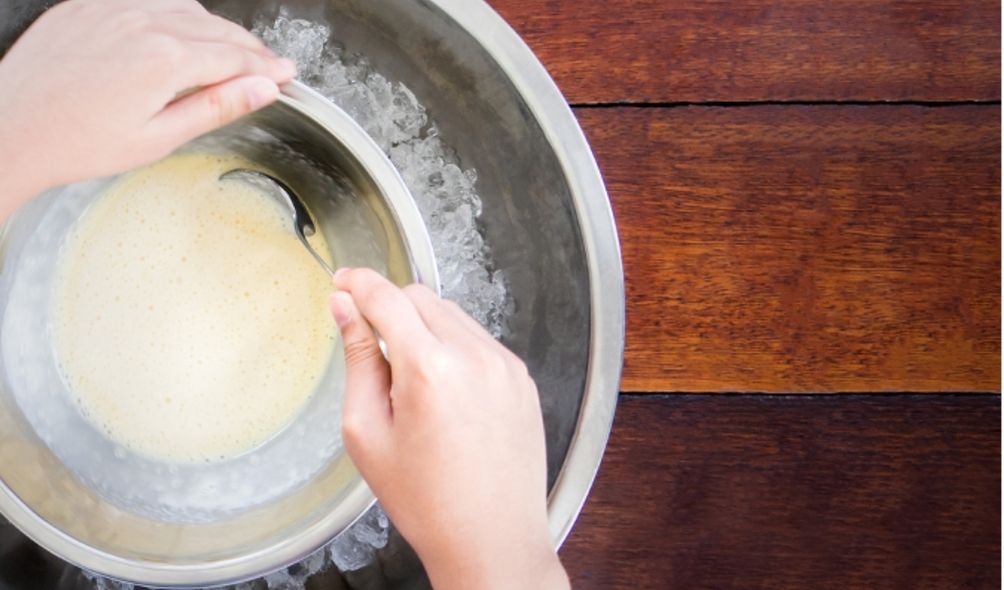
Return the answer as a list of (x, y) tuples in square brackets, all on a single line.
[(317, 257)]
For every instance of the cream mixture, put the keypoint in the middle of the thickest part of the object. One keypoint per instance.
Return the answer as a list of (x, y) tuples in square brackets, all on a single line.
[(189, 322)]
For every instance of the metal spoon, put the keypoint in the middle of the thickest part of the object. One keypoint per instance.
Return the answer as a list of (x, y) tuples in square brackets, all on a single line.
[(303, 225)]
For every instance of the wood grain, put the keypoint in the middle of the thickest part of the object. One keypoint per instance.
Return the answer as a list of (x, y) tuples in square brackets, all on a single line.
[(779, 492), (755, 50), (807, 249)]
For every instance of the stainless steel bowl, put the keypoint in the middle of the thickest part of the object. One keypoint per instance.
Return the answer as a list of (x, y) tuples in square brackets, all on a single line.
[(546, 212), (114, 512)]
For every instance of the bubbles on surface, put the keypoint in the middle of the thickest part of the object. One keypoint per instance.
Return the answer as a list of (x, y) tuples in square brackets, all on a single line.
[(116, 311)]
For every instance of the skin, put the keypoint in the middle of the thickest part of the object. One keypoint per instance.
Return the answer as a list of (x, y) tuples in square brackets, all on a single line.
[(95, 86), (449, 432)]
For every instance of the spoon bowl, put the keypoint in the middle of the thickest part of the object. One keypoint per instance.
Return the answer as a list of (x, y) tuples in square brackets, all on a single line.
[(303, 224)]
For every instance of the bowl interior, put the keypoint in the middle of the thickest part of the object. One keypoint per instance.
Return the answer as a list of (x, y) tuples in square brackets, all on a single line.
[(299, 488)]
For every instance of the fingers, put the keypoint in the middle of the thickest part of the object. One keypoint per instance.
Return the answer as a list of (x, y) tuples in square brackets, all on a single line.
[(367, 410), (177, 6), (159, 6), (211, 63), (388, 310), (445, 319), (210, 28), (211, 108), (452, 325)]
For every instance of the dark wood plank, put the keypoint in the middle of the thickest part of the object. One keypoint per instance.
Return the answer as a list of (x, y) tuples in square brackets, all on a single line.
[(754, 50), (796, 492), (807, 249)]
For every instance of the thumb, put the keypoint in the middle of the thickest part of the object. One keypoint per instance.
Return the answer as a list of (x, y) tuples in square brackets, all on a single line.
[(212, 107), (366, 411)]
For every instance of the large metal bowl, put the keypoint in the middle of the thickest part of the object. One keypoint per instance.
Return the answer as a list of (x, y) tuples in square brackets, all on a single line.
[(546, 214)]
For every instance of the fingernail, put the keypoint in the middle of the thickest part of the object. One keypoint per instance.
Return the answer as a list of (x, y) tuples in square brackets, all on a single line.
[(341, 308), (339, 274), (261, 93), (268, 51)]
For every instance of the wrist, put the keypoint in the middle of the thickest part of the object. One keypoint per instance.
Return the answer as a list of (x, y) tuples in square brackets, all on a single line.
[(482, 568)]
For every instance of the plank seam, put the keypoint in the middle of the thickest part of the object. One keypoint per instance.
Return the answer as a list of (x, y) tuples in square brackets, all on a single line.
[(771, 103), (795, 397)]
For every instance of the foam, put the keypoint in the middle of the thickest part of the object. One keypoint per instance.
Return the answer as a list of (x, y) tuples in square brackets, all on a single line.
[(189, 323)]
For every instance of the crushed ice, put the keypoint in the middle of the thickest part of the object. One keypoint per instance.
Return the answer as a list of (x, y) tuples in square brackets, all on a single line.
[(445, 193)]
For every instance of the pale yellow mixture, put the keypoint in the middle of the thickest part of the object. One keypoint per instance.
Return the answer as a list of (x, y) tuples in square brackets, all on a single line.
[(189, 322)]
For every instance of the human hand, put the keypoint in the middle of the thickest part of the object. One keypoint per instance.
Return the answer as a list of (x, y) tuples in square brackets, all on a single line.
[(91, 89), (448, 434)]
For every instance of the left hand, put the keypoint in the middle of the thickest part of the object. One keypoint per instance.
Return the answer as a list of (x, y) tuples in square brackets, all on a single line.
[(91, 89)]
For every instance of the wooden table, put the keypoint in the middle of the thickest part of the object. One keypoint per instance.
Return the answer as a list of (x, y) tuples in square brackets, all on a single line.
[(808, 198)]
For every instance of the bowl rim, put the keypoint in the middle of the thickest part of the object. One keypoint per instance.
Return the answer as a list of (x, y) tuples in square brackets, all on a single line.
[(379, 168), (600, 241), (358, 498)]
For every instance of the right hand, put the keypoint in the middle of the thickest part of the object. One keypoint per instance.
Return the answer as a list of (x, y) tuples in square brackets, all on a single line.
[(448, 434)]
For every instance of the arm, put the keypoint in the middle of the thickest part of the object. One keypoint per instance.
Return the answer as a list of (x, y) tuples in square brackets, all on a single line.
[(449, 435), (91, 89)]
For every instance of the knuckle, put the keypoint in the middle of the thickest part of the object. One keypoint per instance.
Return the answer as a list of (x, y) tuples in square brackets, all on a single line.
[(71, 9), (226, 29), (454, 306), (511, 357), (134, 19), (500, 361), (520, 369), (488, 355), (358, 352), (383, 296), (193, 5), (493, 362), (353, 427), (219, 23), (164, 53), (364, 281), (531, 386), (250, 62), (418, 293), (367, 275), (433, 367), (221, 107), (413, 290), (354, 437)]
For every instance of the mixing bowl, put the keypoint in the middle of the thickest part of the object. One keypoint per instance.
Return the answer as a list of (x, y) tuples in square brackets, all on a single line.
[(105, 508), (546, 214)]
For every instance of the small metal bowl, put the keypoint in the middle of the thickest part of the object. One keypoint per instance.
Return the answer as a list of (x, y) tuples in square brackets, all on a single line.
[(75, 493)]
